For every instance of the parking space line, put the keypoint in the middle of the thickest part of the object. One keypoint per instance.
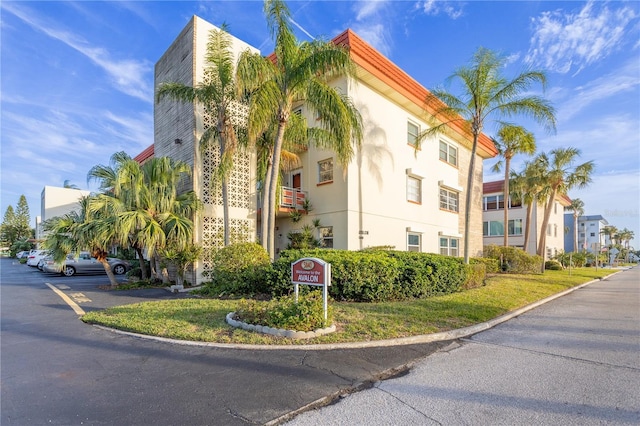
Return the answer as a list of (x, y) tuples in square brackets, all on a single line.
[(77, 309)]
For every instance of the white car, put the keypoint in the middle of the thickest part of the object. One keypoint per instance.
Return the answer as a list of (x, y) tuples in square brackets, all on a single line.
[(35, 256)]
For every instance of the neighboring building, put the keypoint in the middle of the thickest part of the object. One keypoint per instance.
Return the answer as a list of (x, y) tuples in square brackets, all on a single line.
[(390, 194), (493, 221), (57, 201), (590, 236)]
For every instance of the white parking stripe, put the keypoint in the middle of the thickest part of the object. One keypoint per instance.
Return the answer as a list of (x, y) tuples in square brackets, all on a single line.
[(77, 309)]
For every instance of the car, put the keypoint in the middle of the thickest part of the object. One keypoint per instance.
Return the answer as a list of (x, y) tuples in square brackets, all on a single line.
[(43, 261), (85, 264), (35, 256), (21, 254)]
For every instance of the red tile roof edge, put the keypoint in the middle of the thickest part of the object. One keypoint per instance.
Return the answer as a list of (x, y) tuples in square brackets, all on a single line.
[(377, 64), (145, 154)]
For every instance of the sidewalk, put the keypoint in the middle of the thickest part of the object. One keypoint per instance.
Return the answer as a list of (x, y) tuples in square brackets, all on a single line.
[(574, 360)]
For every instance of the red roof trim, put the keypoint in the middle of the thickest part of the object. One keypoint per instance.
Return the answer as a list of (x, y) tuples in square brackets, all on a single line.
[(378, 65), (145, 155)]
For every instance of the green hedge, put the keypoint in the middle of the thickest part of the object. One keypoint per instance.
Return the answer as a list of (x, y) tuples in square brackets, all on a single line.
[(514, 260), (373, 276)]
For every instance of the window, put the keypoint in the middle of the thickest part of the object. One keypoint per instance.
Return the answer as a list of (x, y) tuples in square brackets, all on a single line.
[(493, 202), (448, 200), (549, 230), (326, 236), (449, 246), (495, 228), (325, 170), (413, 241), (412, 133), (555, 230), (414, 189), (593, 234), (448, 153)]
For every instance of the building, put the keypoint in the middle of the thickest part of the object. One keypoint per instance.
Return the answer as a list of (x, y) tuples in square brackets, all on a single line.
[(590, 236), (57, 201), (390, 194), (493, 221)]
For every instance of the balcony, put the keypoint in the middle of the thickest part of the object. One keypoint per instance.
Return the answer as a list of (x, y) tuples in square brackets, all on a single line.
[(292, 198)]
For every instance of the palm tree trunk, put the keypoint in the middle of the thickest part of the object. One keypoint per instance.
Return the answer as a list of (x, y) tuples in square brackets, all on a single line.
[(225, 211), (275, 170), (143, 266), (264, 220), (467, 204), (527, 226), (545, 223), (507, 165), (107, 269)]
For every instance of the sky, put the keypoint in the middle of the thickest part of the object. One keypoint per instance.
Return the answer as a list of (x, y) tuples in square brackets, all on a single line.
[(76, 78)]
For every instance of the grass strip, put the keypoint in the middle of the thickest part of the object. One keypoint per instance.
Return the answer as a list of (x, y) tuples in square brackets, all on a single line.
[(200, 319)]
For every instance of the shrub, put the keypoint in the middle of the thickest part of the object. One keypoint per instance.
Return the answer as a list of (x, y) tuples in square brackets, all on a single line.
[(513, 259), (284, 312), (238, 269), (378, 275), (476, 275), (492, 266), (552, 265)]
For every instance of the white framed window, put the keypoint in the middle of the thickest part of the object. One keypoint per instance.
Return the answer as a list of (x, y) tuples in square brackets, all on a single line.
[(449, 200), (555, 230), (449, 246), (326, 236), (414, 189), (325, 170), (413, 130), (548, 230), (448, 153), (414, 241)]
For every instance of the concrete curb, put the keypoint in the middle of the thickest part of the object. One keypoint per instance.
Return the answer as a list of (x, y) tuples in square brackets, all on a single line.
[(425, 338)]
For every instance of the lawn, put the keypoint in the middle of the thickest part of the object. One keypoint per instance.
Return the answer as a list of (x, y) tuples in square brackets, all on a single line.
[(201, 319)]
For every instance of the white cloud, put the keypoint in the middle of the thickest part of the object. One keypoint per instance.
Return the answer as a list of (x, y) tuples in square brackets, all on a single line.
[(127, 75), (372, 24), (452, 9), (564, 41)]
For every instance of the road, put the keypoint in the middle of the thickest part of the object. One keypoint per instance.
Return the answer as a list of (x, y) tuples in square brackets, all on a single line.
[(572, 361), (56, 370)]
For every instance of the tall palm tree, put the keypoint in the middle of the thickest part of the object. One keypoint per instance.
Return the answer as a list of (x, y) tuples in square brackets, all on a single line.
[(485, 95), (219, 96), (577, 207), (561, 175), (296, 72), (511, 140), (529, 186), (83, 230), (611, 232)]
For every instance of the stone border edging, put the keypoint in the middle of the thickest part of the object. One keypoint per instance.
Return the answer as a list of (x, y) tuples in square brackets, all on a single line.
[(292, 334), (424, 338)]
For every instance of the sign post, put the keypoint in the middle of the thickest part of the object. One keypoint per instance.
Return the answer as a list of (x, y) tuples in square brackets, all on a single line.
[(312, 271)]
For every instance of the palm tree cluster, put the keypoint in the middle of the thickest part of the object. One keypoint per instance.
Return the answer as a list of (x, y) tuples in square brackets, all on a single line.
[(271, 87), (139, 206)]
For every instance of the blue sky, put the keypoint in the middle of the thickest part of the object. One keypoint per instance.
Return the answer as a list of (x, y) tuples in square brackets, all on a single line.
[(77, 77)]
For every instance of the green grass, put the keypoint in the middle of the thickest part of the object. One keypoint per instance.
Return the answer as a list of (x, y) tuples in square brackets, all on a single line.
[(203, 320)]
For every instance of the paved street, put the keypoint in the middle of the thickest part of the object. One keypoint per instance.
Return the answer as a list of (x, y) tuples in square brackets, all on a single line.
[(572, 361), (56, 370)]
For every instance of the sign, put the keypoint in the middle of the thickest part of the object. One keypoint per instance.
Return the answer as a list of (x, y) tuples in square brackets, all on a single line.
[(312, 271)]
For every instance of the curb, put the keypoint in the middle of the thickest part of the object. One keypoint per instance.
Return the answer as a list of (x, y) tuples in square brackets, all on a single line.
[(403, 341)]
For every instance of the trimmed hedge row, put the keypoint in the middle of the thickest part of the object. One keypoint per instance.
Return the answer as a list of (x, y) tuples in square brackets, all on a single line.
[(513, 259), (375, 276)]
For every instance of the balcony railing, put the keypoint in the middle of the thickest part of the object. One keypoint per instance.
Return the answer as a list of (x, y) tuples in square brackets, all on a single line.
[(292, 198)]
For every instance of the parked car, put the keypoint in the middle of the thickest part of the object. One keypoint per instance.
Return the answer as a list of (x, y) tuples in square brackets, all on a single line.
[(85, 264), (21, 254), (35, 256), (43, 261)]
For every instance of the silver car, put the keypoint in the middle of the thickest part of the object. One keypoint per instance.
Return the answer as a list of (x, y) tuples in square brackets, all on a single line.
[(85, 264)]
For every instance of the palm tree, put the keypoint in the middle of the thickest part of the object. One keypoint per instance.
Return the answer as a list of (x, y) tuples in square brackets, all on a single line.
[(577, 207), (511, 140), (529, 186), (486, 94), (144, 201), (67, 184), (83, 230), (219, 96), (561, 176), (611, 232), (295, 73)]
